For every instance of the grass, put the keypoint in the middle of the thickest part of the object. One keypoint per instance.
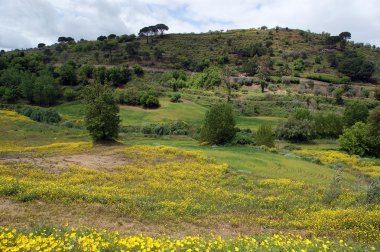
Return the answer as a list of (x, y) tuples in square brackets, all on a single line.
[(187, 111), (244, 189)]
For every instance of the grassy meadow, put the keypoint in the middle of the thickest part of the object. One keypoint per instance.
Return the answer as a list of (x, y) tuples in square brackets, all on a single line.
[(54, 176)]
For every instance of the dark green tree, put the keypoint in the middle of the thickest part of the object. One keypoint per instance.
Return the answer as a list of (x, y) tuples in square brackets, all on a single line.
[(101, 112), (355, 112), (219, 125)]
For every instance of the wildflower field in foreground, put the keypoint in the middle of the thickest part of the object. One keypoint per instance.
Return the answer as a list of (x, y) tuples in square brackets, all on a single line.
[(176, 189), (83, 239)]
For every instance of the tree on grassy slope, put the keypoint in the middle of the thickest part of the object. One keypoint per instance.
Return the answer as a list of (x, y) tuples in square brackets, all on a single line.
[(101, 112), (219, 125)]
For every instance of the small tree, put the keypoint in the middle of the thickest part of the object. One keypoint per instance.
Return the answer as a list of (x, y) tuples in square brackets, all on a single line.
[(219, 125), (101, 112), (374, 132), (264, 136)]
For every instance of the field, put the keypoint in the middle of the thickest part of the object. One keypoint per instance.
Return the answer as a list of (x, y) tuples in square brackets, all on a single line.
[(147, 192)]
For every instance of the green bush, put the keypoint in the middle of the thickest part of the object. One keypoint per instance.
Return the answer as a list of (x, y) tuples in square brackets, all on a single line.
[(328, 125), (138, 70), (40, 114), (175, 98), (296, 130), (264, 136), (354, 140), (69, 94), (219, 125), (242, 138), (377, 94)]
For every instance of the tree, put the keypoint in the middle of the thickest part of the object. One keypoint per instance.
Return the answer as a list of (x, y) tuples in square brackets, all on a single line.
[(161, 28), (144, 32), (219, 125), (354, 140), (112, 36), (101, 38), (67, 74), (132, 48), (355, 66), (355, 112), (45, 90), (101, 112), (41, 45)]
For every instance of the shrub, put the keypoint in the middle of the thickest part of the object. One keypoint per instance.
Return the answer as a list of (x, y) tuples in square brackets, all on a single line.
[(70, 94), (296, 130), (272, 87), (40, 114), (242, 138), (264, 136), (354, 140), (138, 70), (355, 112), (219, 125), (176, 98), (150, 101), (328, 125)]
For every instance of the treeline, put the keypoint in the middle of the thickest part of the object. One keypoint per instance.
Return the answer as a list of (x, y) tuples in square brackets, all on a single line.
[(25, 77)]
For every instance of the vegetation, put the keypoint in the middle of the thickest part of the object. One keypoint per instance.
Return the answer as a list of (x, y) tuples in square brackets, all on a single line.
[(294, 150), (101, 112), (219, 125)]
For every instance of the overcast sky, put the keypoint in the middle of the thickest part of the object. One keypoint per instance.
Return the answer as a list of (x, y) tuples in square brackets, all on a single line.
[(25, 23)]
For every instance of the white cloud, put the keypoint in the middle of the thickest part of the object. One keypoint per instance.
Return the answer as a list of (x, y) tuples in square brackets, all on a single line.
[(24, 23)]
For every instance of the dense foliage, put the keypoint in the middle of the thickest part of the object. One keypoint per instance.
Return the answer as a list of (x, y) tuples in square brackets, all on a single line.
[(101, 112), (219, 125)]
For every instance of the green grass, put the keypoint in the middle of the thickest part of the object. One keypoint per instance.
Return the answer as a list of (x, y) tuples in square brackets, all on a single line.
[(257, 162), (187, 111)]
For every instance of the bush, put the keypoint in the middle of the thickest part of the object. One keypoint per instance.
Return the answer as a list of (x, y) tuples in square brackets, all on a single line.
[(297, 130), (176, 98), (374, 132), (138, 70), (354, 140), (272, 87), (40, 114), (242, 138), (328, 125), (150, 101), (355, 112), (264, 136), (70, 94), (219, 125)]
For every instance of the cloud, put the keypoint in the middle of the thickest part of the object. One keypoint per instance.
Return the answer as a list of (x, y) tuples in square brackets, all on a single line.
[(25, 23)]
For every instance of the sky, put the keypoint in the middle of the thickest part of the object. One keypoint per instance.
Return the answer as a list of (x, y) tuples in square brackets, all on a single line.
[(25, 23)]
